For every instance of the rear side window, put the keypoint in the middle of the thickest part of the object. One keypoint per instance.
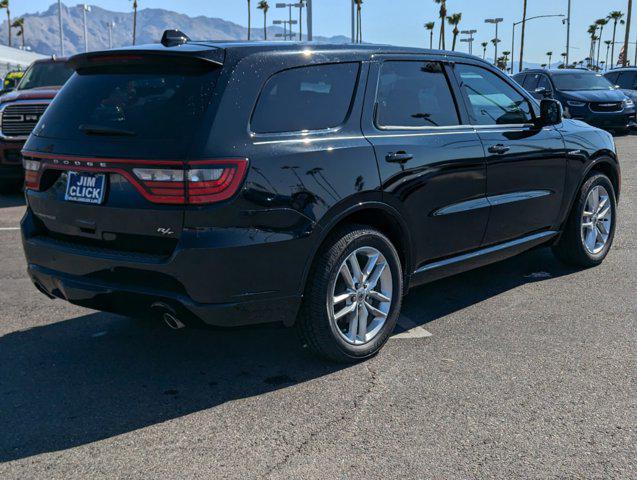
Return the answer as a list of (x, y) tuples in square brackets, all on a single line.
[(492, 100), (627, 80), (306, 98), (414, 94), (159, 102), (530, 82)]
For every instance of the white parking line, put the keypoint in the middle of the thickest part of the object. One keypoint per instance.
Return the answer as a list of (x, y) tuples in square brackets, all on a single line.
[(9, 229), (410, 329)]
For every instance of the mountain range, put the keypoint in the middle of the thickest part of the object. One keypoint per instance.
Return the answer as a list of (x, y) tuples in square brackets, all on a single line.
[(41, 29)]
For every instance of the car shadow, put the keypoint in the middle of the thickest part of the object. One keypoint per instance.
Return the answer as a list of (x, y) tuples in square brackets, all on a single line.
[(99, 375), (12, 200)]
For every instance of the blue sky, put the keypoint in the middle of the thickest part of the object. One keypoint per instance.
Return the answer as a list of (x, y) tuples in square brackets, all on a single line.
[(400, 22)]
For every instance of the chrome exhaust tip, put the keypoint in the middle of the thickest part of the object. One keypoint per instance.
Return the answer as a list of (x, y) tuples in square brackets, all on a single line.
[(172, 321)]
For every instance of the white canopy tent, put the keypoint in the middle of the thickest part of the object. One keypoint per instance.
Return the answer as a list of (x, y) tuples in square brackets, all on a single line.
[(15, 59)]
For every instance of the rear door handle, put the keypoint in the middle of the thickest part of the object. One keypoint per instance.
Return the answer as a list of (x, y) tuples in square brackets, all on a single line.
[(499, 149), (398, 157)]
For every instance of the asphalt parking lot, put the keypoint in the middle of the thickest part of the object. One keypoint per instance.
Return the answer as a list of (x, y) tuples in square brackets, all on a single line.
[(529, 372)]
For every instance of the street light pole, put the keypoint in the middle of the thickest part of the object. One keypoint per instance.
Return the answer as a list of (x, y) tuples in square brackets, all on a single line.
[(308, 16), (353, 23), (568, 33), (515, 24), (470, 39), (61, 31), (85, 8), (495, 21)]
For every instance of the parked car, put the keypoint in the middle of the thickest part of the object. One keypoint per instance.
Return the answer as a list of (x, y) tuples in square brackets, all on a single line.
[(585, 95), (624, 79), (21, 109), (239, 183), (11, 80)]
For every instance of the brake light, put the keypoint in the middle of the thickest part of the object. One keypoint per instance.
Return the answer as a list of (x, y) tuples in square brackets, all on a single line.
[(205, 181), (31, 173)]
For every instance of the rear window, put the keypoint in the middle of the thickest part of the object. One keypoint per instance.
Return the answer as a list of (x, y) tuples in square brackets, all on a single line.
[(45, 74), (132, 102), (306, 98)]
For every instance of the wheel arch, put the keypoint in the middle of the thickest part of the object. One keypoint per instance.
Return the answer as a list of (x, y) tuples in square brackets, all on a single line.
[(375, 214)]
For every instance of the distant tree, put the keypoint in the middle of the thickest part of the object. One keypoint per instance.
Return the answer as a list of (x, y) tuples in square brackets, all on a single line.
[(134, 21), (484, 50), (264, 7), (443, 15), (5, 4), (601, 22), (454, 19), (430, 27), (19, 24), (617, 17), (550, 55)]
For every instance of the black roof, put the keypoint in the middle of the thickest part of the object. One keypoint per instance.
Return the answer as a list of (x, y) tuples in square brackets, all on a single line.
[(556, 71), (213, 50)]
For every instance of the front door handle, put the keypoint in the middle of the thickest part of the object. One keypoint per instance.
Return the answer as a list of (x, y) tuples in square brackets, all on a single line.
[(499, 149), (399, 157)]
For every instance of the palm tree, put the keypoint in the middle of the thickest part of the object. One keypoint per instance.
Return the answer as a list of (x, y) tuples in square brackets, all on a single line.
[(443, 16), (522, 37), (627, 34), (484, 50), (134, 21), (617, 17), (543, 65), (249, 12), (550, 55), (608, 44), (359, 21), (5, 4), (430, 26), (264, 7), (592, 31), (600, 23), (505, 56), (19, 24), (563, 55), (454, 20)]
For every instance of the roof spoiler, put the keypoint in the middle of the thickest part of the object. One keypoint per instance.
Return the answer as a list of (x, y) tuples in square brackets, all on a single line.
[(173, 38)]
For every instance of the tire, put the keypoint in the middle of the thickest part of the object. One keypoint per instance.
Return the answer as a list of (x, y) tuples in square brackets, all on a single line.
[(340, 340), (572, 247)]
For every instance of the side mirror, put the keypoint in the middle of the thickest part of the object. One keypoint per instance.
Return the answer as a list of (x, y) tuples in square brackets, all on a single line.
[(551, 112), (543, 92)]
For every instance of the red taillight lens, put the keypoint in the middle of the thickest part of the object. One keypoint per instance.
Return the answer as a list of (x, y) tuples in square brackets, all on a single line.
[(205, 181), (31, 173)]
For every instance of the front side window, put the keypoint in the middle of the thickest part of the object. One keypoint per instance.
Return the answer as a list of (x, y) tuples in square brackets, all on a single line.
[(545, 83), (414, 94), (306, 98), (491, 100)]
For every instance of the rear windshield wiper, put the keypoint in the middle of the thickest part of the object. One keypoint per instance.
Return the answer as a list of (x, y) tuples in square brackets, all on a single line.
[(100, 130)]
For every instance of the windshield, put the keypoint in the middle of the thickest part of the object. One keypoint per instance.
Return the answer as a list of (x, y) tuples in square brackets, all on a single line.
[(45, 74), (581, 81)]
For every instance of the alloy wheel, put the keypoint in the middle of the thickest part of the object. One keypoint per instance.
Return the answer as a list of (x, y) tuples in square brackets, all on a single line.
[(361, 296), (597, 219)]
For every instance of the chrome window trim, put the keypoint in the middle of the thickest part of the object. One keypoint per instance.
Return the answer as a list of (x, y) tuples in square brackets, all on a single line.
[(486, 251)]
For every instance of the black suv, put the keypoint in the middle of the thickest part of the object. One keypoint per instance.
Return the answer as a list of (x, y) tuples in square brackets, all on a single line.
[(585, 96), (238, 183)]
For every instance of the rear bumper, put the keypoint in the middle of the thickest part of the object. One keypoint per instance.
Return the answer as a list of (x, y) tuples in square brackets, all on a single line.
[(205, 279), (137, 301)]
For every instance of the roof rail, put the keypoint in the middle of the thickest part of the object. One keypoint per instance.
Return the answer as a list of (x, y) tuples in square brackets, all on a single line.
[(173, 38)]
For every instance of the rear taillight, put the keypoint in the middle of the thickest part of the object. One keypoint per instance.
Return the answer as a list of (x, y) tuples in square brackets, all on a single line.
[(31, 173), (205, 181)]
